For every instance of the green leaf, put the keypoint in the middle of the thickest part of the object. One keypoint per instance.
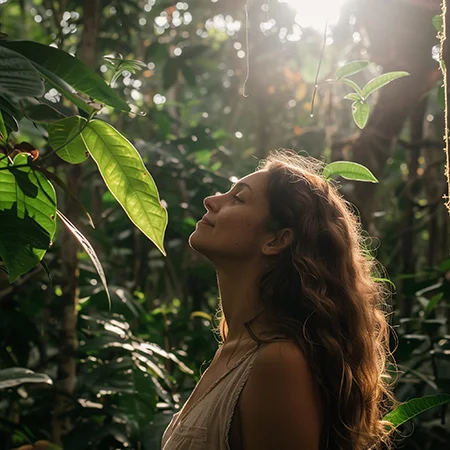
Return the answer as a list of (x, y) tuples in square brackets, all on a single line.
[(438, 23), (11, 123), (65, 89), (201, 314), (384, 280), (70, 69), (65, 135), (3, 132), (380, 81), (193, 51), (88, 249), (351, 68), (189, 75), (441, 96), (353, 85), (17, 76), (349, 171), (42, 113), (170, 72), (27, 215), (11, 113), (353, 96), (7, 105), (18, 375), (360, 111), (414, 407), (433, 302), (128, 179)]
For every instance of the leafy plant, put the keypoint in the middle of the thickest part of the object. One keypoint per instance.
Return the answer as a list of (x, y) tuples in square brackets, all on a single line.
[(27, 197), (360, 105)]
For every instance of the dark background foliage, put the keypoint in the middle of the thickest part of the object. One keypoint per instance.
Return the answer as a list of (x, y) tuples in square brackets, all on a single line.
[(120, 373)]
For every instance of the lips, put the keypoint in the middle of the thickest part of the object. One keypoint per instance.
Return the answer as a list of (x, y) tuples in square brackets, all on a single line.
[(206, 222)]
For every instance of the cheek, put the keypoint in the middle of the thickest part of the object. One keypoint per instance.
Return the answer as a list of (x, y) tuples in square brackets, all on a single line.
[(244, 232)]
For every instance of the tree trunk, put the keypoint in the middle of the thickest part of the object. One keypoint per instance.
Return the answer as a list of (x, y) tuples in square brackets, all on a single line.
[(67, 316), (408, 253), (67, 304), (91, 20), (395, 47)]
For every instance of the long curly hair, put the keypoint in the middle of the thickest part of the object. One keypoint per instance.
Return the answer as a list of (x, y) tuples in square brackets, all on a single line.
[(322, 294)]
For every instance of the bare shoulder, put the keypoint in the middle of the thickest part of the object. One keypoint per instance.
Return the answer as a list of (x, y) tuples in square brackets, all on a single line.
[(279, 405), (281, 352)]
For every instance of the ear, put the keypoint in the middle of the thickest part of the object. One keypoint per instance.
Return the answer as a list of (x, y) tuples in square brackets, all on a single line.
[(276, 244)]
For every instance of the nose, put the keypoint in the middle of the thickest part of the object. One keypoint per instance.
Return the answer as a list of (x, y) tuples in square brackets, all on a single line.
[(210, 204)]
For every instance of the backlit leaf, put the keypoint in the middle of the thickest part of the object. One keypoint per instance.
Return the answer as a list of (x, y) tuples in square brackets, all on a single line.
[(360, 111), (414, 407), (18, 375), (127, 179), (353, 96), (27, 215), (438, 23), (351, 68), (349, 170), (66, 138), (353, 85), (381, 81)]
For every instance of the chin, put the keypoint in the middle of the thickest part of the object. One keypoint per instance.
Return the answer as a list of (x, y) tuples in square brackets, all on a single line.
[(196, 242), (201, 245)]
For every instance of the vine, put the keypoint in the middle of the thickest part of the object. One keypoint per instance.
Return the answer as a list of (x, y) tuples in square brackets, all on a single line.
[(443, 54)]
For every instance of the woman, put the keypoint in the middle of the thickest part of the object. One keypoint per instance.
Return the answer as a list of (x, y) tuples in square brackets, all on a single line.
[(305, 340)]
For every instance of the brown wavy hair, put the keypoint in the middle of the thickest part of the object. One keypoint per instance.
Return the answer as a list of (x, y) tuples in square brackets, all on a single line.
[(321, 292)]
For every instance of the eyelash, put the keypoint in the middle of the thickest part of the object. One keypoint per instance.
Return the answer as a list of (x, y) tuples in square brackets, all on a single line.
[(238, 199)]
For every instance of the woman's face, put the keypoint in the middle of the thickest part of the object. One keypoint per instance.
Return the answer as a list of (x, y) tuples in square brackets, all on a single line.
[(237, 221)]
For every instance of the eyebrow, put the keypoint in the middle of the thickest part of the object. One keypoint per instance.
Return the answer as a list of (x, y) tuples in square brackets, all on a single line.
[(241, 184)]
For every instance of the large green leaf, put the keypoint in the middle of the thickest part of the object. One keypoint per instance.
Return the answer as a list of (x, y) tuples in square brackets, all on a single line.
[(381, 81), (128, 179), (42, 113), (18, 375), (70, 69), (11, 110), (65, 137), (27, 215), (414, 407), (360, 111), (351, 68), (3, 132), (349, 170), (65, 89), (17, 76)]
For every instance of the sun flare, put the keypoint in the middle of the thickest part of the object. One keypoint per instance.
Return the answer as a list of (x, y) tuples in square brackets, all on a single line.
[(315, 13)]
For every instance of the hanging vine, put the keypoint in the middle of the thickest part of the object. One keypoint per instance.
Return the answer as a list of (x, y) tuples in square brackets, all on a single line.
[(444, 57)]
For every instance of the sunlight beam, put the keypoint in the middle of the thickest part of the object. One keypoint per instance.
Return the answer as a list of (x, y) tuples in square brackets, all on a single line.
[(314, 13)]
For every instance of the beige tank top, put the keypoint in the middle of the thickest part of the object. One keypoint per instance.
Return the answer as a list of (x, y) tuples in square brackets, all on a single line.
[(206, 425)]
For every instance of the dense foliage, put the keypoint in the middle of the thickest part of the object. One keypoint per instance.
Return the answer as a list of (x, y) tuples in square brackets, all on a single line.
[(105, 312)]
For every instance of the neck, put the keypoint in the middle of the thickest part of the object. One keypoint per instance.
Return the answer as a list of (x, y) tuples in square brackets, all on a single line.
[(239, 296)]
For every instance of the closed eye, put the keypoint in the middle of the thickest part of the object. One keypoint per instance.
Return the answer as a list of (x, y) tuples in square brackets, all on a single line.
[(238, 199)]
